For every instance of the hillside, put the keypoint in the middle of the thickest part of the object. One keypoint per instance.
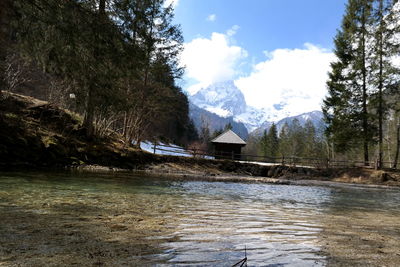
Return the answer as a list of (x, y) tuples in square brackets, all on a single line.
[(35, 133), (38, 134)]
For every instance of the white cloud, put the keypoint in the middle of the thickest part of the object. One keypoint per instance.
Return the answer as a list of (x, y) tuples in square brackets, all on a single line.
[(232, 31), (169, 2), (210, 60), (211, 17), (296, 77)]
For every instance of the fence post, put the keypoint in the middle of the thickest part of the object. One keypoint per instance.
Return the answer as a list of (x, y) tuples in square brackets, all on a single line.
[(154, 147)]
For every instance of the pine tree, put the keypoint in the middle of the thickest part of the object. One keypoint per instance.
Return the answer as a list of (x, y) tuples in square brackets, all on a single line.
[(345, 108), (264, 144), (155, 42), (337, 106), (310, 147), (284, 141), (120, 58), (297, 138), (382, 68), (273, 141), (269, 142)]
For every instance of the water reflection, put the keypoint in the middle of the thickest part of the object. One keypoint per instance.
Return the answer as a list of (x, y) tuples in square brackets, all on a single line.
[(273, 222), (122, 219)]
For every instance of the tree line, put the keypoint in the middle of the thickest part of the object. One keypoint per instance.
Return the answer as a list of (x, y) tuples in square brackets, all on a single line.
[(361, 109), (290, 141), (113, 61)]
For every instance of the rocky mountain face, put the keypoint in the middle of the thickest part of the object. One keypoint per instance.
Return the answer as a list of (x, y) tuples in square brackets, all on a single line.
[(223, 103), (226, 100), (201, 116), (223, 99)]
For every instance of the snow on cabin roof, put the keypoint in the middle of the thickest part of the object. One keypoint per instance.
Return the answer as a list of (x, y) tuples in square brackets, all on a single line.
[(228, 137)]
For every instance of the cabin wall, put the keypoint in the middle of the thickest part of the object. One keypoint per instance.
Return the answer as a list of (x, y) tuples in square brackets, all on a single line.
[(227, 151)]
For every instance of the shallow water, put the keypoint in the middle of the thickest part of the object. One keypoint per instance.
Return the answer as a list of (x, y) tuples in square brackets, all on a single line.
[(126, 219)]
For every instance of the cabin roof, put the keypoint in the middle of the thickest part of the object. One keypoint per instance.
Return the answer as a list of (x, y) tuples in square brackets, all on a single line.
[(228, 137)]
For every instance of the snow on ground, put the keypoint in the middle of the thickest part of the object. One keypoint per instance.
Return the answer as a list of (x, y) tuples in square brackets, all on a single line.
[(167, 149)]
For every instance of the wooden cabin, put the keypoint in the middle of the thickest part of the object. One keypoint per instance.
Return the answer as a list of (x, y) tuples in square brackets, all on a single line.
[(228, 145)]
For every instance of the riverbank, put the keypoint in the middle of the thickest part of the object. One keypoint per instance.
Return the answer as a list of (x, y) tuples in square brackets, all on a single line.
[(278, 174), (38, 135)]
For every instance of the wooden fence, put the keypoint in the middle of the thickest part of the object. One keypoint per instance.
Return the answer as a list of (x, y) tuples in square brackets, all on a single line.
[(290, 161)]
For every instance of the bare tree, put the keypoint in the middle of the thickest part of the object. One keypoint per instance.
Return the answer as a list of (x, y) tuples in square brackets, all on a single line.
[(17, 72)]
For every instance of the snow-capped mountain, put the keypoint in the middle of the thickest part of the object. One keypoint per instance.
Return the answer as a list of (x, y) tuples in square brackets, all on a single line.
[(214, 122), (223, 99), (226, 100), (252, 118), (316, 117)]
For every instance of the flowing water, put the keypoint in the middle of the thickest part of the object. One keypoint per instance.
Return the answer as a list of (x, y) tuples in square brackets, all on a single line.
[(122, 219)]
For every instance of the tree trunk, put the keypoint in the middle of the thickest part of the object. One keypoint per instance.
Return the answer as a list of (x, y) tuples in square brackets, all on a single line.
[(5, 7), (364, 92), (380, 85), (396, 157), (89, 105), (102, 7), (89, 113)]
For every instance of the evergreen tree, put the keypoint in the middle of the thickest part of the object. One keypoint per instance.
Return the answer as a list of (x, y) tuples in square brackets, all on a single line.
[(192, 134), (284, 141), (264, 144), (296, 139), (269, 142), (311, 142), (76, 41), (120, 59), (273, 141), (382, 67), (345, 108)]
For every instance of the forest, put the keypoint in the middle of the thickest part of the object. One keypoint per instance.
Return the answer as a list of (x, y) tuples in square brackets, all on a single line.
[(113, 62), (116, 63)]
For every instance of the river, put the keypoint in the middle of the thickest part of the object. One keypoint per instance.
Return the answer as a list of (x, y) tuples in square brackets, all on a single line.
[(123, 219)]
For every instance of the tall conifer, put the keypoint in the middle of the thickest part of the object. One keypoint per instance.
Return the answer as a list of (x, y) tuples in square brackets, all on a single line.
[(345, 107)]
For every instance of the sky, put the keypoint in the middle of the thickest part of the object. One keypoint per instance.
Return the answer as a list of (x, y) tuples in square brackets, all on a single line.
[(276, 51)]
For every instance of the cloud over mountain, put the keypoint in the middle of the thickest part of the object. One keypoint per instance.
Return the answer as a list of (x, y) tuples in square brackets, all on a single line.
[(211, 60), (289, 79)]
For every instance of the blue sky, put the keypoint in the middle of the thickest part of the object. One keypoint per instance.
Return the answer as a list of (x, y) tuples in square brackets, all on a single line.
[(270, 48), (264, 24)]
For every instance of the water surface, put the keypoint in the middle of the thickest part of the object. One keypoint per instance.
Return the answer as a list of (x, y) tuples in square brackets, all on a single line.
[(126, 219)]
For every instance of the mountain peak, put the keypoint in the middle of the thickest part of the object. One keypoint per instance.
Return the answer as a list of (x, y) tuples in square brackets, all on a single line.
[(222, 98), (225, 99), (316, 117)]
